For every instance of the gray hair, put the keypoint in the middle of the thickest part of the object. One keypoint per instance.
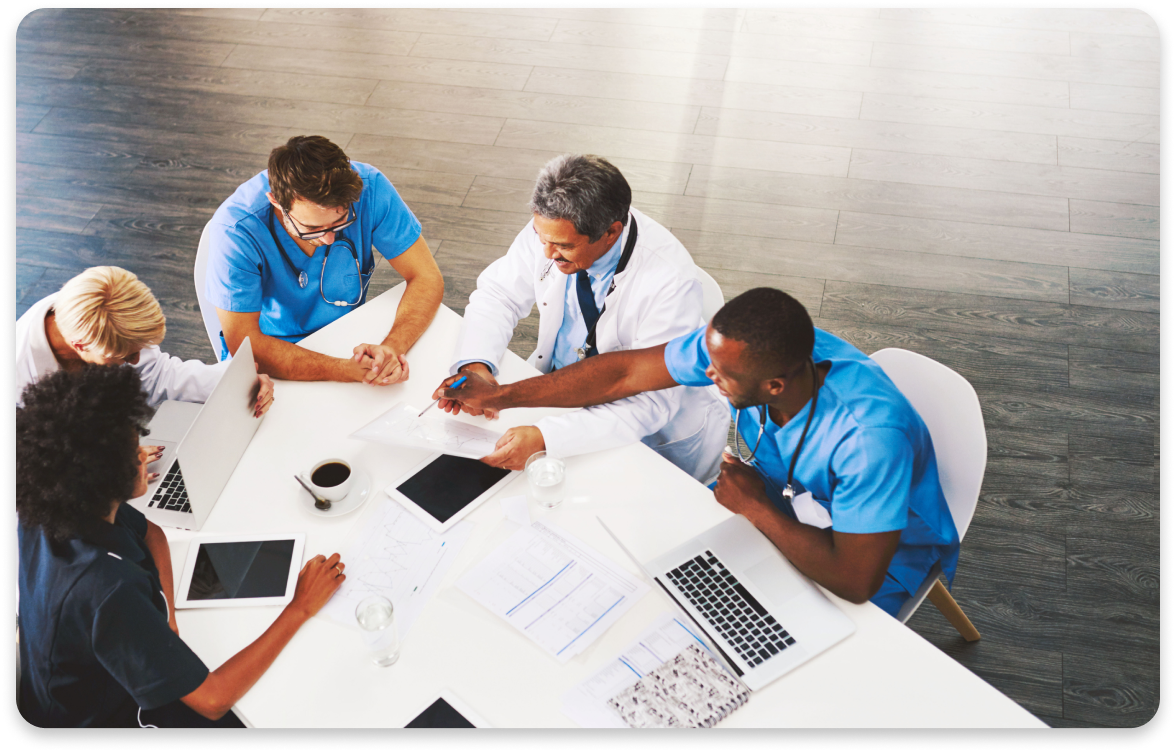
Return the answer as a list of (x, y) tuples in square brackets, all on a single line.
[(586, 190)]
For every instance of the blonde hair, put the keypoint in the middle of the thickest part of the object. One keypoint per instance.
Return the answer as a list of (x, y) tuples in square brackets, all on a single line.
[(110, 310)]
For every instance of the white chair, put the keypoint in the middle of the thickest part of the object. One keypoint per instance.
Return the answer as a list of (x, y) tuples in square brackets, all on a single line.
[(712, 294), (948, 405), (207, 310)]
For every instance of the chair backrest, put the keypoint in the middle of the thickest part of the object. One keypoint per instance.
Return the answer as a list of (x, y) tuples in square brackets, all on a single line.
[(207, 310), (948, 405), (712, 294)]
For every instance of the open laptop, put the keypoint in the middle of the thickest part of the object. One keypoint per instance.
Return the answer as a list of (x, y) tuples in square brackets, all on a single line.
[(759, 612), (202, 444)]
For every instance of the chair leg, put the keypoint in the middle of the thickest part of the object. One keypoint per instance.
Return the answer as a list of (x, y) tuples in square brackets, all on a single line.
[(943, 601)]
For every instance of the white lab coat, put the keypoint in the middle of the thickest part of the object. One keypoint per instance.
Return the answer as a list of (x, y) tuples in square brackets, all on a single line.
[(657, 298), (164, 377)]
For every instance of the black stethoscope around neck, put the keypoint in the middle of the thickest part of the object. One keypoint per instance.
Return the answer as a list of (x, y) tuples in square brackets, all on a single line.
[(301, 276), (789, 492)]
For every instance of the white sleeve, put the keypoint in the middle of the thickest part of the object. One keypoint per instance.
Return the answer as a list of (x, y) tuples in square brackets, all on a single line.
[(675, 311), (505, 294), (615, 424), (169, 378)]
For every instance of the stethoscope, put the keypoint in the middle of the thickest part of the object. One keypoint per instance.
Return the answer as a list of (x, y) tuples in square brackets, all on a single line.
[(300, 275), (788, 492)]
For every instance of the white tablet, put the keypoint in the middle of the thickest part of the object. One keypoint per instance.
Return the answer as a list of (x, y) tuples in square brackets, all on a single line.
[(448, 711), (240, 570), (444, 488)]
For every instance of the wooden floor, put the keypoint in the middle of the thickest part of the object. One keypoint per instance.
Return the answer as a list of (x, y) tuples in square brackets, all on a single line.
[(978, 186)]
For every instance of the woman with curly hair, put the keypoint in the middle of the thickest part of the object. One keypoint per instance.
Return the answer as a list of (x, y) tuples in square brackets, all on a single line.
[(99, 644)]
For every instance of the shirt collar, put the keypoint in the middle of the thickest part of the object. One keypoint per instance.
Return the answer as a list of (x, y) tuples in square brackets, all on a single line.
[(116, 539), (42, 352), (609, 261)]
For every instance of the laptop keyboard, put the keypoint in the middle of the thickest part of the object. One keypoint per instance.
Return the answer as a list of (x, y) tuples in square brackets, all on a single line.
[(171, 494), (731, 609)]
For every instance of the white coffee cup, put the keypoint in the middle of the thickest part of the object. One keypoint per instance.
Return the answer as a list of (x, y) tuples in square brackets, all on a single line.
[(330, 478)]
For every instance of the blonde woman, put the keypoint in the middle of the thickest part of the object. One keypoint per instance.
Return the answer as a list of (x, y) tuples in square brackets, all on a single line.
[(107, 316)]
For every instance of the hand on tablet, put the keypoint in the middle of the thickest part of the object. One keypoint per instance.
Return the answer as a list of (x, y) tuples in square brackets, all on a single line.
[(319, 579)]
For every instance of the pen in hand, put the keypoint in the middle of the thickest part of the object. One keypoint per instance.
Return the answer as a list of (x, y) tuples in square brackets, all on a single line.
[(453, 386)]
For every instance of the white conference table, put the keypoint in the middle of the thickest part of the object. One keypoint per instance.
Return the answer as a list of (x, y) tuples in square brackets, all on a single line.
[(884, 675)]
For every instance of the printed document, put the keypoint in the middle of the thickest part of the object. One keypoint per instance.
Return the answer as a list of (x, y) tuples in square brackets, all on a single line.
[(392, 553), (587, 703), (401, 426), (553, 588)]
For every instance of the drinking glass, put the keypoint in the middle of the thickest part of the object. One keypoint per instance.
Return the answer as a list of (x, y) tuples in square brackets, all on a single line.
[(546, 476), (377, 622)]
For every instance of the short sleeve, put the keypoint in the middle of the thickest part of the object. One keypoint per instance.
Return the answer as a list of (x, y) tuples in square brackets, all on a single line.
[(394, 227), (687, 359), (133, 642), (233, 278), (873, 470)]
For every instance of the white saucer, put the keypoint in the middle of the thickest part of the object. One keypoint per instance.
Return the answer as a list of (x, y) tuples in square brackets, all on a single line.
[(361, 489)]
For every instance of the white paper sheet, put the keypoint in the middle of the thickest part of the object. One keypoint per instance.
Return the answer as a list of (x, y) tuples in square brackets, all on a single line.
[(390, 552), (400, 426), (515, 509), (586, 704), (553, 588)]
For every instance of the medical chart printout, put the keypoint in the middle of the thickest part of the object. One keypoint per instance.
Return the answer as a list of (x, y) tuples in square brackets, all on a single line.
[(587, 703), (401, 426), (553, 588), (392, 553)]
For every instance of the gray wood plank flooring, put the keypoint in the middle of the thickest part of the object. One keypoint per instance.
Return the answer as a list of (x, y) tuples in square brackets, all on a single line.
[(978, 185)]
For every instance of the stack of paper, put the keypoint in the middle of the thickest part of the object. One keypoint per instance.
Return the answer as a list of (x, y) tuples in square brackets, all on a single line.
[(392, 553), (554, 589), (588, 703), (401, 426)]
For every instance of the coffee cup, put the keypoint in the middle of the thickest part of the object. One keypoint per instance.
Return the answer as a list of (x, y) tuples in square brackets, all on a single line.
[(330, 478)]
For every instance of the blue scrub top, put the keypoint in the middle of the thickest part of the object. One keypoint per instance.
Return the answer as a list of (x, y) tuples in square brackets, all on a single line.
[(94, 640), (868, 457), (246, 272)]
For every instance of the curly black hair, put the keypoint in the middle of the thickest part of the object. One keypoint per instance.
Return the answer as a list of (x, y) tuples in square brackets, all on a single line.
[(77, 447)]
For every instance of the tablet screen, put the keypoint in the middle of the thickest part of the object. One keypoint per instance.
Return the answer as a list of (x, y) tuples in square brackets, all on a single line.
[(241, 570), (446, 485), (440, 714)]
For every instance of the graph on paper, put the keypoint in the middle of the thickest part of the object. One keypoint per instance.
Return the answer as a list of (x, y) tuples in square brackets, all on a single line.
[(392, 553), (554, 589), (401, 426)]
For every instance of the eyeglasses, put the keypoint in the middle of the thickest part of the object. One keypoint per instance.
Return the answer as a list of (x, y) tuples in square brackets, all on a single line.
[(316, 234)]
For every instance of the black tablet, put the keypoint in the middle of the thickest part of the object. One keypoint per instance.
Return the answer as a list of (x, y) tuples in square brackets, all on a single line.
[(445, 488)]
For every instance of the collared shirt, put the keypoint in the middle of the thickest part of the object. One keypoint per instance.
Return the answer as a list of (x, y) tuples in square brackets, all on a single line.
[(573, 331), (94, 639), (162, 377), (868, 458), (246, 271)]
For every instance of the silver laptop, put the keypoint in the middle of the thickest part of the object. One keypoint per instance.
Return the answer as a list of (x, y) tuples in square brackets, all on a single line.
[(759, 612), (202, 444)]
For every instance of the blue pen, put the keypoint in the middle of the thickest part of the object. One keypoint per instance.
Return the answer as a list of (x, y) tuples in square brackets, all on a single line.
[(453, 386)]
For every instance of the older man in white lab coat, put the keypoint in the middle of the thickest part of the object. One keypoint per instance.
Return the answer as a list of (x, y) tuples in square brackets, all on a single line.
[(605, 277)]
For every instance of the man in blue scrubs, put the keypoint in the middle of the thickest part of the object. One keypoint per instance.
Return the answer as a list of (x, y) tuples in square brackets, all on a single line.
[(291, 251), (866, 518)]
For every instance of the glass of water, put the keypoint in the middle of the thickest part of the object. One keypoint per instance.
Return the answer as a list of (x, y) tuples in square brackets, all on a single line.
[(377, 622), (546, 475)]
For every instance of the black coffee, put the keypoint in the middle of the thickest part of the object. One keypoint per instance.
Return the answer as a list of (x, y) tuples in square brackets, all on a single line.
[(330, 474)]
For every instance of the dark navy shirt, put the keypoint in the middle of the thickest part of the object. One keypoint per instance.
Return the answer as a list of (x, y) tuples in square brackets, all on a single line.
[(94, 640)]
